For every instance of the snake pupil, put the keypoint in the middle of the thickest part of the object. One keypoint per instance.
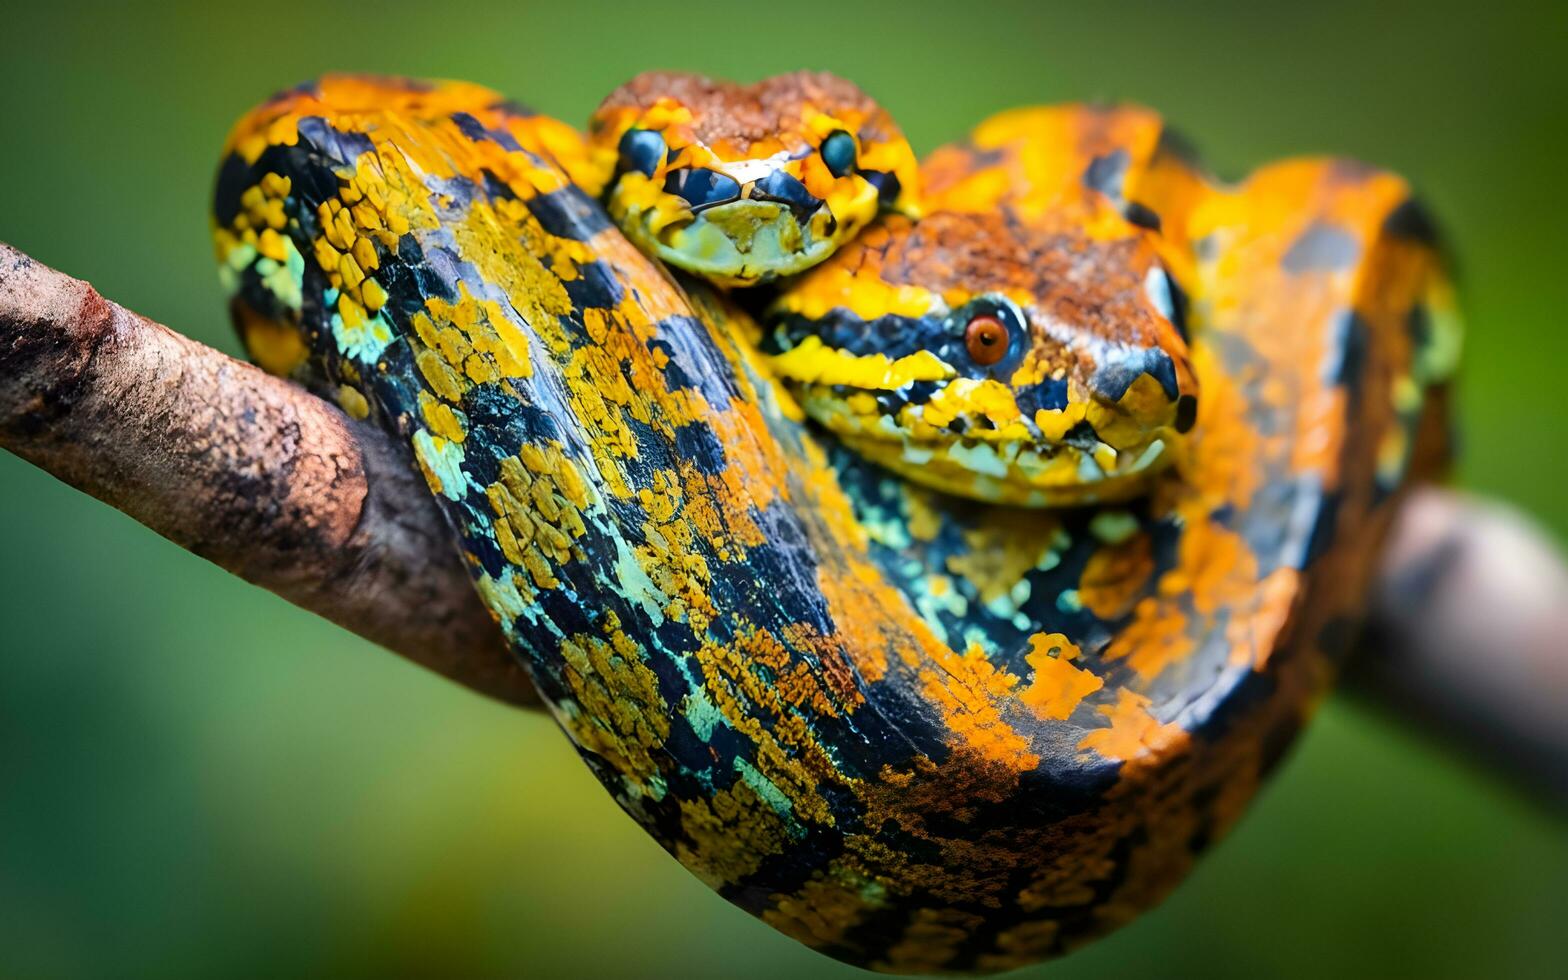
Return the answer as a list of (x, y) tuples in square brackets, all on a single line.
[(838, 152), (986, 340)]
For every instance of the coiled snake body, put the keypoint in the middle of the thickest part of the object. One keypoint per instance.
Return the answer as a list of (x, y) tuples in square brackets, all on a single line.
[(912, 730)]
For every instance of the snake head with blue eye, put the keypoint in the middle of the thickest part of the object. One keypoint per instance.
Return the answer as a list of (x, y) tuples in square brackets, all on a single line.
[(745, 184), (1035, 364)]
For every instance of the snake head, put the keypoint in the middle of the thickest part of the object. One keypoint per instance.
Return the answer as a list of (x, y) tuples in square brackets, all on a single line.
[(743, 184), (1039, 364)]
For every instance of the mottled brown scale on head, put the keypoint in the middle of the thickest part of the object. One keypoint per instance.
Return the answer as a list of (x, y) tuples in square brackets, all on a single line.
[(740, 115), (1085, 281)]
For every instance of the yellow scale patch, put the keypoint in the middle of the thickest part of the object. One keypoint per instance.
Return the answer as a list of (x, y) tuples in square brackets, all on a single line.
[(812, 362), (837, 285), (622, 718), (538, 503)]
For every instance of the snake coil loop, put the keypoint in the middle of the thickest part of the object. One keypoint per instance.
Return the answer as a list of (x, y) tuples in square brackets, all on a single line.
[(916, 731)]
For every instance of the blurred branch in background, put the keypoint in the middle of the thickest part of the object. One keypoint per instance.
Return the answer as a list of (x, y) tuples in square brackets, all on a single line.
[(1468, 635), (1468, 623)]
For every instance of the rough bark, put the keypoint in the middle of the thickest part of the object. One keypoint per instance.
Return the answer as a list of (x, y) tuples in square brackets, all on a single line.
[(1468, 635), (244, 469)]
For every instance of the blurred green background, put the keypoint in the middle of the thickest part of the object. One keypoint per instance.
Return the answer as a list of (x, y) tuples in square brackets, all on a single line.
[(198, 779)]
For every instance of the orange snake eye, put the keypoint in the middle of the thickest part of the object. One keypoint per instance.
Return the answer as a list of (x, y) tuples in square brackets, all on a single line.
[(986, 340)]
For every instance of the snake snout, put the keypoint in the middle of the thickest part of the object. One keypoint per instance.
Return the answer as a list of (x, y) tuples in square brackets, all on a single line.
[(701, 188), (782, 188)]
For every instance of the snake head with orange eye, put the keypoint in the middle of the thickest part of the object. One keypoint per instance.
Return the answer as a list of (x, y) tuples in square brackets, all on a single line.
[(1038, 364), (744, 184)]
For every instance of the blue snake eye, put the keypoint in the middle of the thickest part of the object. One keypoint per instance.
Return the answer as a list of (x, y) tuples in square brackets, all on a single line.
[(642, 150), (838, 152), (701, 188)]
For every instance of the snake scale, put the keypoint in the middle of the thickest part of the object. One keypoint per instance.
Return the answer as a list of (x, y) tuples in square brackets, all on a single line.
[(942, 605)]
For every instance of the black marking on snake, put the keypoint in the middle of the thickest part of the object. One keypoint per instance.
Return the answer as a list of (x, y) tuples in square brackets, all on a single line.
[(1106, 173), (1323, 247), (569, 213)]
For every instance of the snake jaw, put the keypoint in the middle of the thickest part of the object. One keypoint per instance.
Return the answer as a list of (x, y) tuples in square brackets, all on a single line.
[(738, 243), (755, 237), (977, 439), (992, 456), (1060, 419)]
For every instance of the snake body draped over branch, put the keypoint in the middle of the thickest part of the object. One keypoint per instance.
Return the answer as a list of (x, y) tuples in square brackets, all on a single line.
[(914, 731)]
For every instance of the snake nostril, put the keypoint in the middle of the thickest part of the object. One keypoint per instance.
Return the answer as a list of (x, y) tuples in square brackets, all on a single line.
[(887, 184), (1051, 394), (701, 188), (1082, 437)]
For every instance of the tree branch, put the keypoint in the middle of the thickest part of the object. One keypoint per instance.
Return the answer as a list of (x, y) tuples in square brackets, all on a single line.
[(1468, 635), (246, 470), (1468, 622)]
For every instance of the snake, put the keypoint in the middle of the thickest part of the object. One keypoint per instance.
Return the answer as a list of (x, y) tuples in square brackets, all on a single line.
[(933, 556)]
